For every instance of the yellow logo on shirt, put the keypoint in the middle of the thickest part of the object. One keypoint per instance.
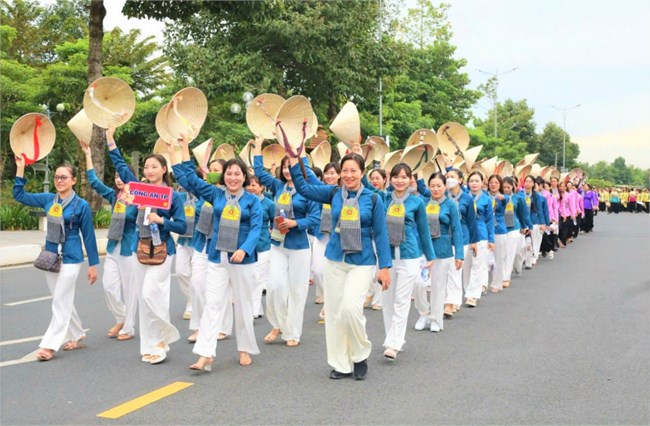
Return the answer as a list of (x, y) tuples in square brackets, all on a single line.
[(528, 201), (206, 204), (189, 211), (433, 209), (396, 210), (494, 204), (475, 208), (327, 207), (56, 210), (284, 198), (349, 213), (510, 207), (230, 213), (120, 207)]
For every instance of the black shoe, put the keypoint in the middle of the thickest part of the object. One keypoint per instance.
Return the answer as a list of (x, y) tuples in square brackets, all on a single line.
[(338, 375), (361, 369)]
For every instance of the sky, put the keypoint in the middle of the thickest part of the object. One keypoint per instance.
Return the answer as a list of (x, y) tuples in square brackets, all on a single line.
[(592, 53)]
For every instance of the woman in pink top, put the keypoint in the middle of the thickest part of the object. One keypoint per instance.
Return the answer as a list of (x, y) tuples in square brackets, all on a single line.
[(575, 196), (567, 211), (549, 239)]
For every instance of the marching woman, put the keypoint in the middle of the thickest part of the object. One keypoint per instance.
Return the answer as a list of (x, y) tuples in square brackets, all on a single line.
[(154, 281), (379, 180), (67, 214), (549, 239), (525, 249), (517, 224), (119, 288), (580, 199), (590, 205), (447, 238), (485, 223), (288, 286), (358, 220), (615, 201), (409, 239), (237, 216), (263, 247), (567, 214), (538, 215), (499, 205), (574, 200)]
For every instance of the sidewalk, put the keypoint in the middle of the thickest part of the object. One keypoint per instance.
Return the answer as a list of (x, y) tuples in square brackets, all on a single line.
[(22, 247)]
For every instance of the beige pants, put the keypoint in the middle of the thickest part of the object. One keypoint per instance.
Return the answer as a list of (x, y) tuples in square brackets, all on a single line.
[(345, 287), (65, 324), (120, 290)]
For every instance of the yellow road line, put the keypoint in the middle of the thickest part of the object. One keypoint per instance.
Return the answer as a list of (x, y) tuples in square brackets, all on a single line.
[(144, 400)]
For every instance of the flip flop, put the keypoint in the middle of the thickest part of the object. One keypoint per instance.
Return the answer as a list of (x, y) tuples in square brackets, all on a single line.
[(122, 337), (44, 355), (74, 345)]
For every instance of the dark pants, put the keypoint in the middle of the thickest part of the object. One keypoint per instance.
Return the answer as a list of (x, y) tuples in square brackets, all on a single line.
[(566, 229), (576, 226), (547, 243), (587, 224)]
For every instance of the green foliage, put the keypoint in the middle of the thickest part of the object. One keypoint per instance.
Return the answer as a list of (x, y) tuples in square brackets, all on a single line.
[(17, 218), (102, 218), (617, 173), (551, 143), (600, 183)]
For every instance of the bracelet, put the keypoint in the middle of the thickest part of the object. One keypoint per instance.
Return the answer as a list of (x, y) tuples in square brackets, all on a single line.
[(111, 144)]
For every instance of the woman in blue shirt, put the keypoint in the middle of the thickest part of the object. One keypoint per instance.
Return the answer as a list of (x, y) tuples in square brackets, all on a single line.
[(290, 252), (67, 214), (379, 180), (447, 237), (358, 219), (119, 287), (515, 219), (156, 330), (499, 205), (478, 280)]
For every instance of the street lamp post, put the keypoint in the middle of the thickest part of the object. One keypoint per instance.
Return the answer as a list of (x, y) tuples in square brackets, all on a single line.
[(496, 76), (46, 109), (564, 109)]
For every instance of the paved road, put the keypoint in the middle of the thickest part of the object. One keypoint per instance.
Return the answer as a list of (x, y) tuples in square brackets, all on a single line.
[(567, 343)]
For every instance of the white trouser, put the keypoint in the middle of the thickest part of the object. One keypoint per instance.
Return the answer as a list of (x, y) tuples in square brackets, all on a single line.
[(65, 324), (227, 317), (119, 289), (500, 244), (523, 255), (311, 240), (287, 292), (198, 283), (240, 279), (439, 275), (454, 291), (184, 272), (261, 280), (478, 271), (397, 300), (345, 288), (318, 263), (513, 240), (537, 241), (155, 327)]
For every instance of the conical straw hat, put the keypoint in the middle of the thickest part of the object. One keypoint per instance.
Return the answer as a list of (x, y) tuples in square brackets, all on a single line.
[(564, 177), (161, 148), (531, 158), (310, 161), (81, 127), (109, 102), (380, 146), (246, 155), (523, 171), (314, 127), (506, 169), (189, 115), (342, 149), (391, 159), (23, 141), (260, 115), (347, 125), (545, 172), (203, 152), (452, 138), (161, 124), (417, 156), (520, 164), (423, 136), (224, 151), (476, 167), (471, 155), (439, 162), (535, 170), (273, 154), (369, 153), (555, 173), (322, 154), (426, 172), (293, 122), (488, 166)]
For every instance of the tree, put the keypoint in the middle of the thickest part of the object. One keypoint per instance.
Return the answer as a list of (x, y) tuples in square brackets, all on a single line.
[(551, 143)]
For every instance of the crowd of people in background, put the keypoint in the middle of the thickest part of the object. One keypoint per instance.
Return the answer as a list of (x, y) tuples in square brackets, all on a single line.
[(624, 199)]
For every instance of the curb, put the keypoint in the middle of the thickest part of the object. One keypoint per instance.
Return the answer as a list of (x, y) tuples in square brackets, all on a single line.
[(27, 253)]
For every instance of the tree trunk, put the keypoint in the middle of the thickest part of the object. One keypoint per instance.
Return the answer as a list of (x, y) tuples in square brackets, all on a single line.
[(97, 142)]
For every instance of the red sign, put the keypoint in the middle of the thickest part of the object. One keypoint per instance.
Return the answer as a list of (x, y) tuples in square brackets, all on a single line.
[(147, 195)]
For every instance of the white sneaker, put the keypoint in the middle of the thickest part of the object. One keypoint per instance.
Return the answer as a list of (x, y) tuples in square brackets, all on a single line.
[(421, 323), (434, 327), (551, 255)]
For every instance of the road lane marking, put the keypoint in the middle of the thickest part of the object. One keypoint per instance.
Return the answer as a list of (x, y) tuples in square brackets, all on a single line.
[(144, 400), (30, 357), (22, 302), (27, 339)]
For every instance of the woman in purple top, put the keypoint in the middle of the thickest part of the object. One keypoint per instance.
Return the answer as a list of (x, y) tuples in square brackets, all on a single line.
[(590, 205)]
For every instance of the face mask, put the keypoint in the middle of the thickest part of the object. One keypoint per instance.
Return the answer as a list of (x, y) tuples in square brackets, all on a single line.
[(452, 183), (213, 178)]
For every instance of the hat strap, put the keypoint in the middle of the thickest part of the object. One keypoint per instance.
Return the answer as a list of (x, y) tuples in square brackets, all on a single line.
[(37, 145), (261, 104), (91, 93), (458, 150), (285, 140)]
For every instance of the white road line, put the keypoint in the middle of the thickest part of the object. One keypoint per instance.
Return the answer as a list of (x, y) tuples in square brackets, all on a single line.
[(30, 357), (27, 339), (22, 302)]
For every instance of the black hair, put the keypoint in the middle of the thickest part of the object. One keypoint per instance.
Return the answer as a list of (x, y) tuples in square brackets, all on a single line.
[(253, 178), (458, 172), (285, 159), (218, 160), (71, 168), (477, 173), (540, 181), (356, 158), (510, 181), (437, 175), (499, 179), (318, 172), (381, 172), (115, 188), (163, 162), (239, 163), (533, 206), (332, 165), (397, 168)]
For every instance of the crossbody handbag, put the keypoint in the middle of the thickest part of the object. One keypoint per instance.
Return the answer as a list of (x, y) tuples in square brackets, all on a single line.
[(150, 254), (51, 262)]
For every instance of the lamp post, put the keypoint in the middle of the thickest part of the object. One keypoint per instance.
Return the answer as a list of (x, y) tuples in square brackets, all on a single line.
[(46, 110), (496, 76), (564, 109), (247, 97)]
